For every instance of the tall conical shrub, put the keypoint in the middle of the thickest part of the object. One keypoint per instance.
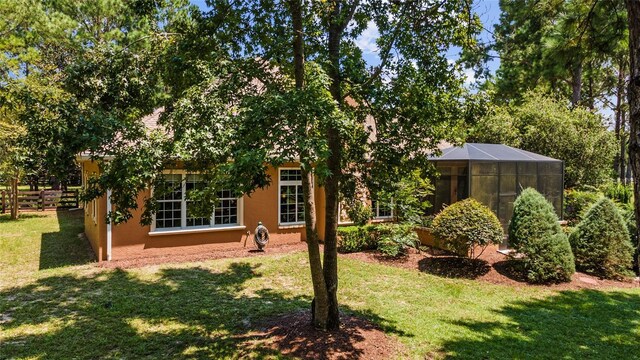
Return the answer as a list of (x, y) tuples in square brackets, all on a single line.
[(534, 232), (601, 242)]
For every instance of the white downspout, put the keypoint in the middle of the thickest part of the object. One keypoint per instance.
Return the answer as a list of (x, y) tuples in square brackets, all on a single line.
[(109, 226)]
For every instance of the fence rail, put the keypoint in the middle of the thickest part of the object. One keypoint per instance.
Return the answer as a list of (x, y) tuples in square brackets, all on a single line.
[(39, 200)]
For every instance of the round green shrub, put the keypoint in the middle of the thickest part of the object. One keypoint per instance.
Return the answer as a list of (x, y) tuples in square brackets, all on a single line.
[(534, 232), (601, 242), (465, 225)]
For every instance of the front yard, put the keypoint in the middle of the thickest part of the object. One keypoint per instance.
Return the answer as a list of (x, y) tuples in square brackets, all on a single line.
[(55, 303)]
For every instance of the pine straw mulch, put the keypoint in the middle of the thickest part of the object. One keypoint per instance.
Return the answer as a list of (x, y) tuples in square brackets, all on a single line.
[(293, 335), (204, 256), (492, 267)]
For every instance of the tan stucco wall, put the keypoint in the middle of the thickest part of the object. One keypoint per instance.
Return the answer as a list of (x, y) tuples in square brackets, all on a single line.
[(130, 240), (95, 231)]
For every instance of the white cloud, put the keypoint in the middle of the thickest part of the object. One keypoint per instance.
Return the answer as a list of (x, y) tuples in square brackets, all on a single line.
[(469, 76), (367, 40)]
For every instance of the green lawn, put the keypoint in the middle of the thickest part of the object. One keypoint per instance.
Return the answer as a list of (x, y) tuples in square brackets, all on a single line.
[(54, 303)]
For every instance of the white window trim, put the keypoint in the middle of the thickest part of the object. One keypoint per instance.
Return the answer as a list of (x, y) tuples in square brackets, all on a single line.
[(377, 211), (195, 230), (287, 225), (340, 222), (183, 229)]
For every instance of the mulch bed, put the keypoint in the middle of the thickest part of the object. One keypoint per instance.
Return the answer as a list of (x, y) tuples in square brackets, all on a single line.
[(210, 255), (492, 267), (293, 335)]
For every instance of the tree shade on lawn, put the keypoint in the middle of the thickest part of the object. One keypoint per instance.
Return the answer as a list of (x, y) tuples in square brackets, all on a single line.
[(208, 309)]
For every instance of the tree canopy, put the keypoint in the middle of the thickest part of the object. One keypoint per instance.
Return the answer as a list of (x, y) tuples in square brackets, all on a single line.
[(238, 97), (547, 126)]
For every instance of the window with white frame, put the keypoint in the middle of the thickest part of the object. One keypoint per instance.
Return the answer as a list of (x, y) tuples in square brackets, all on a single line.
[(382, 210), (194, 182), (170, 199), (291, 204), (175, 207), (226, 213)]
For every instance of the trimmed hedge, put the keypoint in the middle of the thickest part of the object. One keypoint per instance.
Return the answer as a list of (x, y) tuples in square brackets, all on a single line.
[(390, 239), (535, 233), (601, 242), (465, 225), (357, 238)]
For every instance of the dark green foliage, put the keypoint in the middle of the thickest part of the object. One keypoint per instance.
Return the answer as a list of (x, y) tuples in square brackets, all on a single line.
[(576, 204), (358, 212), (617, 191), (545, 125), (629, 216), (466, 225), (426, 221), (568, 48), (390, 239), (396, 239), (408, 196), (357, 238), (601, 242), (549, 259), (535, 233)]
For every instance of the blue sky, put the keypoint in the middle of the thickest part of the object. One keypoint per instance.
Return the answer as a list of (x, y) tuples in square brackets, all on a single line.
[(488, 10)]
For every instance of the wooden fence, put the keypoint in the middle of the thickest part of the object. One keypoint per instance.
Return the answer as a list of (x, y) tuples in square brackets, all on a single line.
[(39, 200)]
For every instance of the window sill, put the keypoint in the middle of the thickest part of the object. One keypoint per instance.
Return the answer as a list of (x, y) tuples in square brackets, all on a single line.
[(379, 220), (290, 226), (196, 231)]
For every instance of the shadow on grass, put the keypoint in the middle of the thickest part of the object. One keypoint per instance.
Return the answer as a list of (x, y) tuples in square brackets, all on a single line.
[(176, 313), (583, 324), (454, 267), (68, 246)]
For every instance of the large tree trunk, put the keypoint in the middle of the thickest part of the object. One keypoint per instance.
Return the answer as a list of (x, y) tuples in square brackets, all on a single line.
[(623, 148), (576, 84), (14, 197), (617, 164), (319, 307), (633, 95), (334, 164), (320, 304)]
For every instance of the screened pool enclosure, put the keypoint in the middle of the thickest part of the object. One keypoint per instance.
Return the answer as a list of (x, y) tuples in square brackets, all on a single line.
[(495, 175)]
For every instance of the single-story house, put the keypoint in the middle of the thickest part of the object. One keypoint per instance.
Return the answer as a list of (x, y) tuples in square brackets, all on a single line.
[(231, 225), (493, 174)]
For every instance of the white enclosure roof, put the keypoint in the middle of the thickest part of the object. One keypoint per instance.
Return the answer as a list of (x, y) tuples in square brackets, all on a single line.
[(489, 152)]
